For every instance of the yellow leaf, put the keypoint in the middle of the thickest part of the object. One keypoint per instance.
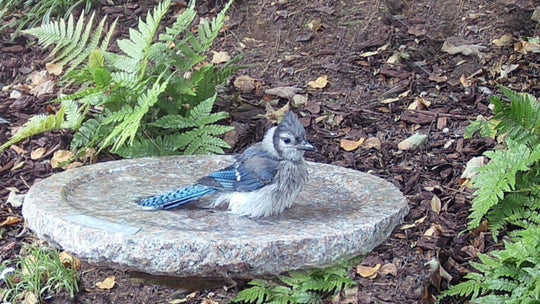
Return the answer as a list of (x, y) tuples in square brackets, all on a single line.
[(37, 153), (315, 24), (60, 157), (17, 149), (221, 57), (366, 271), (351, 145), (70, 261), (505, 40), (373, 142), (54, 68), (10, 221), (276, 116), (108, 283), (319, 83)]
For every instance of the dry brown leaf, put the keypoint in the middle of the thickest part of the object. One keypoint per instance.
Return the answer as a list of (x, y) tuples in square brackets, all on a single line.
[(69, 261), (107, 284), (505, 40), (276, 116), (244, 83), (30, 298), (319, 83), (17, 149), (471, 251), (315, 24), (455, 45), (351, 145), (221, 57), (73, 165), (525, 47), (54, 68), (37, 153), (436, 204), (472, 166), (372, 142), (366, 271), (10, 221), (284, 92), (44, 88), (389, 268), (60, 157)]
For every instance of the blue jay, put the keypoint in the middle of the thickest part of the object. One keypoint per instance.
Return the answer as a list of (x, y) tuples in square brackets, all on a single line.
[(264, 180)]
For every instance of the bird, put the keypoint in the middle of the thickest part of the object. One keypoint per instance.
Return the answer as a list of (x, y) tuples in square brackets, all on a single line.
[(263, 181)]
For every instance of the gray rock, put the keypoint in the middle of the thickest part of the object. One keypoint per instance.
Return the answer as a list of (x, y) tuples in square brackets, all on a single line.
[(92, 212)]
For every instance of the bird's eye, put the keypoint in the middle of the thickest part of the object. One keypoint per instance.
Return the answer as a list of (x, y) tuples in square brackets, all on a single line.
[(287, 141)]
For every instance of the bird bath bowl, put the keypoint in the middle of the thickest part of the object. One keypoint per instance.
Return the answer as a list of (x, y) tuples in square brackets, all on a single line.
[(92, 212)]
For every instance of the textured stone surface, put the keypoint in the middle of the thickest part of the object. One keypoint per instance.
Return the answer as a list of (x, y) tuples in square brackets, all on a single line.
[(92, 212)]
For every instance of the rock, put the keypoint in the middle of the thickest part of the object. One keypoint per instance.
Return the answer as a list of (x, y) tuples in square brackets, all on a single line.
[(92, 212)]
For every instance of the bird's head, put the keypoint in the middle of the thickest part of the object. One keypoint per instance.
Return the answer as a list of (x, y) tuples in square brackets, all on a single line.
[(289, 138)]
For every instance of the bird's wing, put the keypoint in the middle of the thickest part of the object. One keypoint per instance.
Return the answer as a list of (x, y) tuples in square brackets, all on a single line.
[(247, 174)]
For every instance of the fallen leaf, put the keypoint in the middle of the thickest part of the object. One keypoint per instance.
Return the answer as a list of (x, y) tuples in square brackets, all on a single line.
[(54, 68), (14, 199), (472, 166), (525, 47), (319, 83), (413, 142), (30, 298), (60, 157), (372, 143), (389, 268), (373, 53), (37, 153), (436, 204), (18, 165), (69, 261), (107, 284), (390, 100), (315, 24), (220, 57), (283, 92), (10, 221), (17, 149), (244, 83), (454, 45), (44, 88), (367, 272), (507, 69), (276, 116), (505, 40), (299, 100), (351, 145), (73, 165)]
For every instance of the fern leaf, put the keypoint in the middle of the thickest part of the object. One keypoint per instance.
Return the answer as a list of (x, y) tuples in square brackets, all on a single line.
[(181, 24), (72, 45)]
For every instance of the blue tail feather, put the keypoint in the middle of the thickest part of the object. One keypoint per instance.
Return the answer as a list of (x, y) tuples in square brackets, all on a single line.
[(176, 198)]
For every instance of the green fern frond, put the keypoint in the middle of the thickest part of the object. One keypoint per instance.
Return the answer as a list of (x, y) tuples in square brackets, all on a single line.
[(72, 43), (137, 47), (131, 120), (180, 25)]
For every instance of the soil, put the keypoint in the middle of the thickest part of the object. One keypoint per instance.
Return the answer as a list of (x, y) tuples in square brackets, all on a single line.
[(389, 77)]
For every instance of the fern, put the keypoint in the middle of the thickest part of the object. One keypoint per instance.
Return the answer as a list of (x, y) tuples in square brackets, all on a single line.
[(511, 275), (298, 287), (69, 116), (147, 99), (73, 45)]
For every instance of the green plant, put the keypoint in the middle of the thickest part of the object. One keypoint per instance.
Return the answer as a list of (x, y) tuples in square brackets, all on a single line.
[(39, 272), (28, 13), (511, 275), (508, 195), (508, 188), (298, 287), (154, 98)]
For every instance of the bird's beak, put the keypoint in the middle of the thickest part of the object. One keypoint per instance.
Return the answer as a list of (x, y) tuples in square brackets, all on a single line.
[(306, 146)]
